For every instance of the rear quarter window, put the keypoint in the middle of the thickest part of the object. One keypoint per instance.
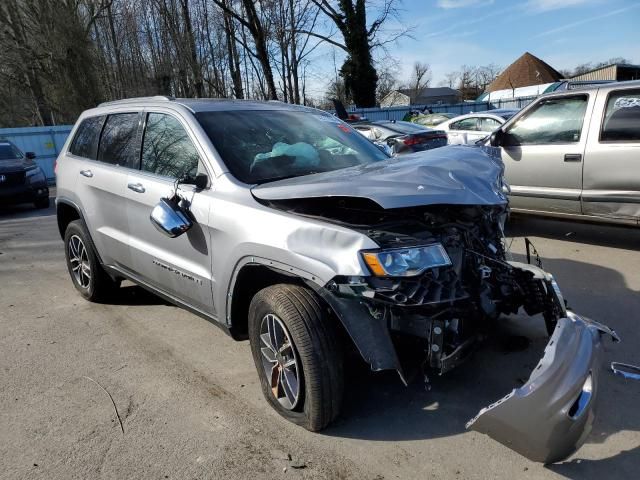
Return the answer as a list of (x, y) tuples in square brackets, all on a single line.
[(85, 141), (622, 117)]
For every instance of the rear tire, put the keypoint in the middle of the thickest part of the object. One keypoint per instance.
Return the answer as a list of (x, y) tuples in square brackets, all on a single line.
[(42, 203), (87, 275), (283, 314)]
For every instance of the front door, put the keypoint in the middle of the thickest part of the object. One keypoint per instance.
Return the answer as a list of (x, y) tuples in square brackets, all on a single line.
[(463, 131), (181, 266), (543, 152)]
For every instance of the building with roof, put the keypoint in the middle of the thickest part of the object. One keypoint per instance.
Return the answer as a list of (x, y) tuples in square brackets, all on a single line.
[(425, 96), (526, 71), (617, 72)]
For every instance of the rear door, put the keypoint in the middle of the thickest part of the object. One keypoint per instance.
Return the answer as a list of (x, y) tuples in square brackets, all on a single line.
[(102, 176), (543, 151), (612, 158), (461, 131), (179, 266)]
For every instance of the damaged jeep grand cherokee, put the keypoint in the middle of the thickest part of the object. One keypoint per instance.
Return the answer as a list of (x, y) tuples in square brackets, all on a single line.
[(282, 224)]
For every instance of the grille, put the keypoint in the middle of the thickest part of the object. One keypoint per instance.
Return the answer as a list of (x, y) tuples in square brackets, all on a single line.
[(12, 179)]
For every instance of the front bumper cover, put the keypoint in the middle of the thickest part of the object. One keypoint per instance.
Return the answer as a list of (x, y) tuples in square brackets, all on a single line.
[(550, 416)]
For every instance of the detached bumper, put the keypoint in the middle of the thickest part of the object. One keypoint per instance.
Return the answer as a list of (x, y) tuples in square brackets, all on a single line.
[(550, 416)]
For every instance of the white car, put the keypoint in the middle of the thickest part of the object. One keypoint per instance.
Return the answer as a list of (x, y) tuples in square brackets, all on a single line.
[(469, 128)]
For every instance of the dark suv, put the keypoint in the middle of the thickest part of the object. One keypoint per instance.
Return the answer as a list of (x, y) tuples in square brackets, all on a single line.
[(21, 179)]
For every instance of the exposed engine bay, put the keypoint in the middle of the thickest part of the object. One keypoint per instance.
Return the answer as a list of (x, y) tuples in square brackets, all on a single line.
[(450, 306)]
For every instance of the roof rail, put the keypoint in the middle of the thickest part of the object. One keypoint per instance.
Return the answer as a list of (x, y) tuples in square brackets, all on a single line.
[(164, 98)]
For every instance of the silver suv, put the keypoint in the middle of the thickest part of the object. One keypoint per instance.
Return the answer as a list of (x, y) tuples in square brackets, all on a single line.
[(283, 225)]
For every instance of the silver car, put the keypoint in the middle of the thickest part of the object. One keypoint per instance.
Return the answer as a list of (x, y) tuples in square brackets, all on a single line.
[(575, 154), (283, 225), (471, 127)]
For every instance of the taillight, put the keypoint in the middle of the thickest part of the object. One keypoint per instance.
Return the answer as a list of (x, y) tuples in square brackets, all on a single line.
[(55, 166), (418, 139)]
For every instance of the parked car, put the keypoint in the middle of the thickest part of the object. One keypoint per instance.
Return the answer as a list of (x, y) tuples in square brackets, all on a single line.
[(21, 179), (575, 153), (469, 128), (431, 119), (281, 224), (402, 137)]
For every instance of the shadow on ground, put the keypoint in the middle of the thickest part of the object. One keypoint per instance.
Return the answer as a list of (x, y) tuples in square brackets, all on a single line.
[(27, 210), (609, 235)]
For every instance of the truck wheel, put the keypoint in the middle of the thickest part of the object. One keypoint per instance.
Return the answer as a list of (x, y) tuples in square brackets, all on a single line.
[(87, 274), (298, 355)]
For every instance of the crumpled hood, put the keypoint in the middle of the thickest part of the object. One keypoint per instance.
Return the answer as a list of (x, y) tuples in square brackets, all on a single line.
[(459, 175), (12, 165)]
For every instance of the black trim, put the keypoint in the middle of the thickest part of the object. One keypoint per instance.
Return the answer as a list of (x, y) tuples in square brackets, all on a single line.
[(120, 272)]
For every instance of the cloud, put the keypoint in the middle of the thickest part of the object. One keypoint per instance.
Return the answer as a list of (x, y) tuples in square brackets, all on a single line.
[(463, 3), (549, 5), (577, 23)]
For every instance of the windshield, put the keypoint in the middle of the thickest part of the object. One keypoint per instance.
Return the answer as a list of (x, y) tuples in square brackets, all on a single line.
[(263, 146), (9, 152)]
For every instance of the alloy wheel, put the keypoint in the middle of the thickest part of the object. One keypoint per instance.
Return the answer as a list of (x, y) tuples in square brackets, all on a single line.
[(280, 361), (79, 261)]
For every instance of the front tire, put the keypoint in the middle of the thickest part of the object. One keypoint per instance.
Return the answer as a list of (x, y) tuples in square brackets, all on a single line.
[(298, 355), (87, 275)]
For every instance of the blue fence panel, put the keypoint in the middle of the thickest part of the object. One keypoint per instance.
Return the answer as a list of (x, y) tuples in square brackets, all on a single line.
[(398, 113), (45, 142)]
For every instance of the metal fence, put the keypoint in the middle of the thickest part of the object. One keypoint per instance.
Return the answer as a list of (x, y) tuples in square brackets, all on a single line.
[(398, 113), (45, 142)]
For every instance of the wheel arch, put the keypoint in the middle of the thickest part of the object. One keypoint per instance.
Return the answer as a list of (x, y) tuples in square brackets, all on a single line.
[(66, 212), (248, 280)]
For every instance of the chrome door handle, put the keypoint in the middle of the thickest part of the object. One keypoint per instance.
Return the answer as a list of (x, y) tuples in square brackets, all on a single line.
[(572, 157), (86, 173), (136, 187)]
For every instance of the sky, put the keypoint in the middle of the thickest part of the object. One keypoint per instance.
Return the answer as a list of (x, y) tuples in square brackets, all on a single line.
[(449, 33)]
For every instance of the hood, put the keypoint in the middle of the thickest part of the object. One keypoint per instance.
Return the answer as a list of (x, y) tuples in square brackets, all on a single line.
[(455, 175), (16, 165)]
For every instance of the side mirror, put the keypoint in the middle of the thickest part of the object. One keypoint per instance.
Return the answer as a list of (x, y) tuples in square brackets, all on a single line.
[(495, 139), (169, 218), (201, 181), (30, 155)]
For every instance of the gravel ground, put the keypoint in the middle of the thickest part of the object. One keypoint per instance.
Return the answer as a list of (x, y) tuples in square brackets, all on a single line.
[(190, 403)]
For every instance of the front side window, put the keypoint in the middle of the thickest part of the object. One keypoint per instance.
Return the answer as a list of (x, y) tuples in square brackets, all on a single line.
[(469, 124), (622, 117), (85, 142), (118, 143), (167, 149), (555, 120), (489, 124), (259, 146)]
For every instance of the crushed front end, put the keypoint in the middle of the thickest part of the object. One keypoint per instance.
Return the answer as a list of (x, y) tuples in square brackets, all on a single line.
[(441, 276)]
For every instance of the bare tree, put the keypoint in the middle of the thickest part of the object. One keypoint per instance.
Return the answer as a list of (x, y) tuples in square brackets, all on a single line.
[(420, 78)]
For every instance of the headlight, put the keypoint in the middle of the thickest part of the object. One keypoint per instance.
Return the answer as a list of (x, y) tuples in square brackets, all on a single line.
[(33, 171), (406, 262)]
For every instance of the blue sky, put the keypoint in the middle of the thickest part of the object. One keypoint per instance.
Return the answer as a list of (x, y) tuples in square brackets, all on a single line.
[(564, 33)]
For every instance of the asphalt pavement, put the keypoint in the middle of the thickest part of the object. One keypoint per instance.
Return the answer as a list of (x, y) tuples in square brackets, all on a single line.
[(141, 389)]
